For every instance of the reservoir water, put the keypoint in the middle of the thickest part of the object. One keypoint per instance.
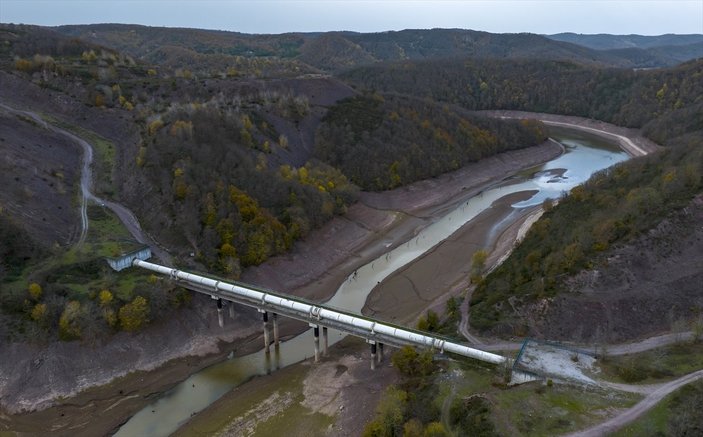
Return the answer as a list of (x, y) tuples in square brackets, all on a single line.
[(584, 155)]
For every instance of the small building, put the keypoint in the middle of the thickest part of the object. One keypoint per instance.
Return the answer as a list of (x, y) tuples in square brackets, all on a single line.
[(125, 260)]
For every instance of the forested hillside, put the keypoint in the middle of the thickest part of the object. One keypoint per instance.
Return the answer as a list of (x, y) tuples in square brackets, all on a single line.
[(297, 53), (235, 169), (384, 141), (612, 208), (666, 104)]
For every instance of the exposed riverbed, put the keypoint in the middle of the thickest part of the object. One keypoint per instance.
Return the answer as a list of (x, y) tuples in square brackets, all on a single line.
[(583, 156)]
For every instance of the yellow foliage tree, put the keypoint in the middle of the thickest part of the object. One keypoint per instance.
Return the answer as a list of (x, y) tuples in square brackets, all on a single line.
[(135, 314), (35, 291), (69, 326), (105, 298), (39, 312)]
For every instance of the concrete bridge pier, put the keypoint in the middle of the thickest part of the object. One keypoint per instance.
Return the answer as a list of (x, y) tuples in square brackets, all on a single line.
[(220, 318), (324, 341), (275, 330), (373, 355), (265, 324), (316, 334)]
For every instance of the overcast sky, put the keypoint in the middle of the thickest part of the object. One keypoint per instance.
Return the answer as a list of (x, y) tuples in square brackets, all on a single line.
[(647, 17)]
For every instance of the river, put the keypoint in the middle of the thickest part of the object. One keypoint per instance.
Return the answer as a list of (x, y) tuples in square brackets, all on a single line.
[(584, 155)]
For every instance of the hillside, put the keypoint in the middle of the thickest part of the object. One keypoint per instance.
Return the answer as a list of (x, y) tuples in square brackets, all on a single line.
[(667, 104), (330, 51), (384, 141), (607, 42), (532, 292), (235, 169)]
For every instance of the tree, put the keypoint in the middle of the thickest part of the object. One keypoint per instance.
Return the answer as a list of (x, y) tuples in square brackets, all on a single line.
[(105, 298), (389, 414), (35, 291), (69, 322), (478, 264), (435, 429), (39, 312), (411, 363), (134, 315), (412, 428)]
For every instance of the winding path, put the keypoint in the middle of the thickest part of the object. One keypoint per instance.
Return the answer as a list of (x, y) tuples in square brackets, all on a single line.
[(640, 408), (655, 392), (125, 215)]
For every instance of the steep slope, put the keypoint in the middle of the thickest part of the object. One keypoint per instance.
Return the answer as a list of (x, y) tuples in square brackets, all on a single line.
[(666, 103)]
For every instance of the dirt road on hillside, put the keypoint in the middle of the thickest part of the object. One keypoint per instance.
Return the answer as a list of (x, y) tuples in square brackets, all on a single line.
[(640, 408), (125, 215)]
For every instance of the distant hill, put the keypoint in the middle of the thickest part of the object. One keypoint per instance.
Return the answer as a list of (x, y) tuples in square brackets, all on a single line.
[(332, 51), (641, 51), (607, 42), (450, 43)]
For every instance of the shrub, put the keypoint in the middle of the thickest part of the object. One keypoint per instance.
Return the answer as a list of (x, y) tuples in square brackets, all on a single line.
[(134, 315)]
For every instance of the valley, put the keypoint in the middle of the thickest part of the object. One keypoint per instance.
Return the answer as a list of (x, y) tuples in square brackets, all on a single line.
[(296, 171)]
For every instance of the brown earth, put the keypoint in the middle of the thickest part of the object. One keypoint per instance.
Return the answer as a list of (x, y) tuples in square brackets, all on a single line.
[(651, 285), (313, 269), (342, 386), (413, 288), (39, 173)]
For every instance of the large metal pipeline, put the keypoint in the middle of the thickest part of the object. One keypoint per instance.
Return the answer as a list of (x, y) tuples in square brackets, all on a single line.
[(316, 314)]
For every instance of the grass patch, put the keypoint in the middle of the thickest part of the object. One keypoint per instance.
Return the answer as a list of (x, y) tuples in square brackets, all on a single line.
[(554, 410), (103, 155), (654, 365), (651, 423)]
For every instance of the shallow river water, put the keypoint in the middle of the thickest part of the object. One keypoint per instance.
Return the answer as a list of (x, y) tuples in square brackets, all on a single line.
[(583, 156)]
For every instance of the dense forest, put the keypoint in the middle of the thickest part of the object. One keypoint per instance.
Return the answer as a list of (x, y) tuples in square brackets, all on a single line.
[(225, 198), (384, 141), (666, 104)]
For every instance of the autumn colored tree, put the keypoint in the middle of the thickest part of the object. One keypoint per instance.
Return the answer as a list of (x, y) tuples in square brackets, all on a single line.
[(35, 291), (134, 315), (69, 322)]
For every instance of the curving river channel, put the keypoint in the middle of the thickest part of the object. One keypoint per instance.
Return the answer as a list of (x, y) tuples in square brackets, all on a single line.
[(583, 156)]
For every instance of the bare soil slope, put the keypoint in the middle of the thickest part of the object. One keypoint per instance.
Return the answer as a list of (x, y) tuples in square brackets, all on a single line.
[(39, 174), (651, 285)]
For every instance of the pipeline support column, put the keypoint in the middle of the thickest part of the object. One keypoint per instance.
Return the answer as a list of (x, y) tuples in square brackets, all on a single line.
[(324, 341), (380, 353), (373, 355), (316, 335), (265, 323), (220, 319), (275, 329)]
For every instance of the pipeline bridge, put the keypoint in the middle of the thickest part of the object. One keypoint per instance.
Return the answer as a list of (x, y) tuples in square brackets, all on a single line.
[(318, 316)]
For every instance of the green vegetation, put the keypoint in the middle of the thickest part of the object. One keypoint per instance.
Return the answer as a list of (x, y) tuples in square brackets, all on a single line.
[(554, 410), (103, 157), (226, 196), (665, 103), (75, 295), (656, 365), (614, 206), (678, 414), (382, 142), (467, 398)]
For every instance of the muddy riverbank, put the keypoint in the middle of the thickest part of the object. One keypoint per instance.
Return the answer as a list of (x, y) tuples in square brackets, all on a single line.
[(313, 269)]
